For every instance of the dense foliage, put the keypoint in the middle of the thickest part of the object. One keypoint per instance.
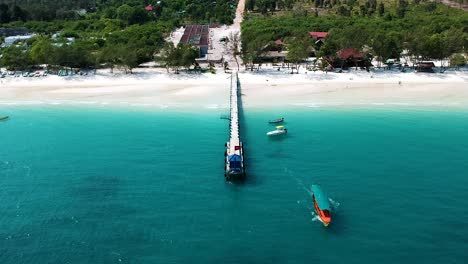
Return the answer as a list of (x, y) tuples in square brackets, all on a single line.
[(131, 12), (427, 30), (107, 32), (176, 57), (127, 46), (265, 6)]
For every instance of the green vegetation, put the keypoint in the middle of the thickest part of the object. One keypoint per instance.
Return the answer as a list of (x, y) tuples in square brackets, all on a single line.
[(427, 30), (177, 57), (107, 32), (265, 6), (131, 12), (298, 50)]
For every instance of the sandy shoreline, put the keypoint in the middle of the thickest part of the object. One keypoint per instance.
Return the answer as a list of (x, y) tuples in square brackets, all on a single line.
[(266, 88)]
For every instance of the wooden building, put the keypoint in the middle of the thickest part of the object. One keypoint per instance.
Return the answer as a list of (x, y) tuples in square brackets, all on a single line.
[(425, 66), (348, 57)]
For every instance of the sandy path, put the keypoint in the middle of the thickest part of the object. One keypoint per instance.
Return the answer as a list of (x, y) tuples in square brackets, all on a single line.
[(239, 14), (454, 4)]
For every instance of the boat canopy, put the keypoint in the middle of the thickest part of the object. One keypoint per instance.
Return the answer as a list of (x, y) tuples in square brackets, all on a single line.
[(280, 127), (321, 198), (235, 161)]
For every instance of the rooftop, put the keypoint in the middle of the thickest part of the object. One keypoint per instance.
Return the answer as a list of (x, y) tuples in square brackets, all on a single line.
[(196, 35), (279, 42), (318, 34), (12, 39), (349, 53)]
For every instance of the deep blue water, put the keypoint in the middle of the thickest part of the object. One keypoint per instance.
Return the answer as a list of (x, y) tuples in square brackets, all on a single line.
[(82, 185)]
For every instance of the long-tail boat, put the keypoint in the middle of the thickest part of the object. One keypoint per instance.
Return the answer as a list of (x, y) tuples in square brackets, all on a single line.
[(321, 204)]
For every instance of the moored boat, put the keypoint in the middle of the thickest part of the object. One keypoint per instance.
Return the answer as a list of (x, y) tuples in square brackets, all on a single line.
[(280, 130), (275, 121), (321, 205)]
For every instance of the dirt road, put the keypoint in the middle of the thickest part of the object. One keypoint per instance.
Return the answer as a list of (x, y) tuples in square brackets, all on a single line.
[(239, 14)]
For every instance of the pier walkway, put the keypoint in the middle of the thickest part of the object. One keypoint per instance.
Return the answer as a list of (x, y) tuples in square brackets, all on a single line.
[(234, 166)]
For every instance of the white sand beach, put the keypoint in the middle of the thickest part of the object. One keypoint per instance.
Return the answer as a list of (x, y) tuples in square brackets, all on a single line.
[(355, 89), (266, 88)]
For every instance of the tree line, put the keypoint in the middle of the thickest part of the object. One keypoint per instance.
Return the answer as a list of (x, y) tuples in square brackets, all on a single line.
[(78, 55), (427, 31), (130, 12), (112, 53), (265, 6), (106, 31)]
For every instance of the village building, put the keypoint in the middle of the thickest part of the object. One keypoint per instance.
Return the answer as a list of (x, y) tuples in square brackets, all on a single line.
[(348, 57), (318, 37), (274, 52), (59, 41), (198, 37), (425, 66), (13, 39), (274, 56), (279, 43)]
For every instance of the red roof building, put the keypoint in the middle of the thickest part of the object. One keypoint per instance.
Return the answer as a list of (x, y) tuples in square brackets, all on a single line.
[(318, 35), (349, 53), (149, 8), (197, 36), (279, 42)]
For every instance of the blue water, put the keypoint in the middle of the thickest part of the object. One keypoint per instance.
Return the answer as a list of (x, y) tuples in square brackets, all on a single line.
[(83, 185)]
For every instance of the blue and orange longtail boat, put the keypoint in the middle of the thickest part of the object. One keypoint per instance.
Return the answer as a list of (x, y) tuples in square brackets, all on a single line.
[(321, 204)]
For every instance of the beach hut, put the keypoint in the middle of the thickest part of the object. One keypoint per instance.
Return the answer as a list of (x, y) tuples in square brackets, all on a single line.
[(348, 57), (318, 37), (273, 56), (318, 34), (279, 42), (425, 66)]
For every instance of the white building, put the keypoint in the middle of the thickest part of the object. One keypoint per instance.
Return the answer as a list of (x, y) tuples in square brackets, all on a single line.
[(10, 40), (68, 41)]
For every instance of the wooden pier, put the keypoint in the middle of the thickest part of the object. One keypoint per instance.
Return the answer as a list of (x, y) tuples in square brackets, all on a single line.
[(234, 155)]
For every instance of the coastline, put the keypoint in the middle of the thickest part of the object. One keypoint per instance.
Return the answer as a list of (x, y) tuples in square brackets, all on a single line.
[(268, 88)]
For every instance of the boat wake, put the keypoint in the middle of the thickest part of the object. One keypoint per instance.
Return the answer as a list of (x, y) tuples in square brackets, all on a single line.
[(297, 180), (334, 203), (315, 217)]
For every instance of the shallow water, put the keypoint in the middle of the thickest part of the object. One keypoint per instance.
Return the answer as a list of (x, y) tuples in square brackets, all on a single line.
[(84, 185)]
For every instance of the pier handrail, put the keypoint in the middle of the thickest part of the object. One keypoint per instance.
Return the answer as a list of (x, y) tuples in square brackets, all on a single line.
[(234, 146)]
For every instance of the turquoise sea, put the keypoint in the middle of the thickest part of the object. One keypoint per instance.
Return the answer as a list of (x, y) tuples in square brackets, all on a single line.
[(102, 185)]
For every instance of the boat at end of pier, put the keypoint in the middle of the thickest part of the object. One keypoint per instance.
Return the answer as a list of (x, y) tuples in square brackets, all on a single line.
[(321, 205), (234, 167)]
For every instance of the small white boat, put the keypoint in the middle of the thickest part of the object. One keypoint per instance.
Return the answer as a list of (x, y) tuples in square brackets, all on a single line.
[(280, 130)]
